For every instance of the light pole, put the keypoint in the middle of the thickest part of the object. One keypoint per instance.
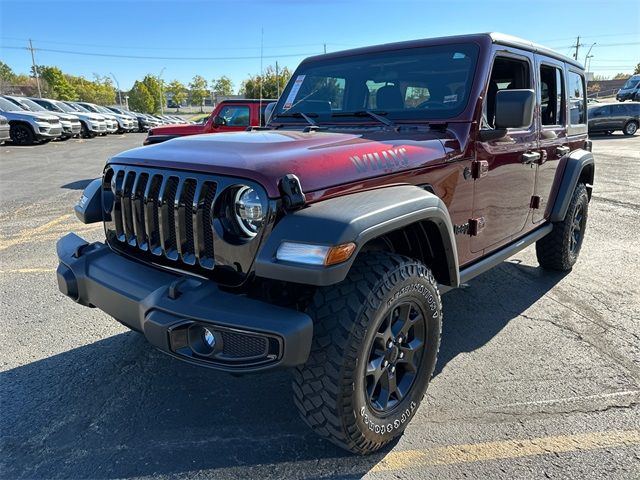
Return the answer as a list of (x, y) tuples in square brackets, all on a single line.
[(161, 91), (118, 85), (586, 57)]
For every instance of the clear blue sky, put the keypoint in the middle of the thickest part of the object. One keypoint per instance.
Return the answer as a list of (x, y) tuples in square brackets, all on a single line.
[(292, 31)]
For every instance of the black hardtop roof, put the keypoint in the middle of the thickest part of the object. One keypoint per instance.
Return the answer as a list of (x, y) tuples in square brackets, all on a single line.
[(247, 100), (493, 37)]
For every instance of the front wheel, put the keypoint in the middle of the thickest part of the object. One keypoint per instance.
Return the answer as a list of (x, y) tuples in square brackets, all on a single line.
[(21, 134), (559, 249), (630, 129), (376, 339)]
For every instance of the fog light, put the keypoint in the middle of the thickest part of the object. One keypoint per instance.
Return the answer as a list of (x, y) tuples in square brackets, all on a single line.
[(208, 338)]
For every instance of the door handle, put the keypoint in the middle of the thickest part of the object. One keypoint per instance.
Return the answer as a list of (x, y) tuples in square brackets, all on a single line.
[(562, 151), (530, 157)]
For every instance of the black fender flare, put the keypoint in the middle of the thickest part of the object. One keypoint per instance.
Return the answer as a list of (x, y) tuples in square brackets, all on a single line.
[(578, 162), (358, 218)]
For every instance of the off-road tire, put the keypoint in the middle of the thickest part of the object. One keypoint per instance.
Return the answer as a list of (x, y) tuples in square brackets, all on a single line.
[(630, 128), (557, 250), (21, 134), (330, 390)]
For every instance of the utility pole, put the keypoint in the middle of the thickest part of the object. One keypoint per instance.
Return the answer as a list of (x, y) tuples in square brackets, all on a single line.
[(325, 47), (278, 79), (35, 68), (575, 55)]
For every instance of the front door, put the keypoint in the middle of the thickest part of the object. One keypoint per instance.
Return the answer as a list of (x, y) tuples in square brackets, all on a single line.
[(502, 195), (554, 145), (235, 118)]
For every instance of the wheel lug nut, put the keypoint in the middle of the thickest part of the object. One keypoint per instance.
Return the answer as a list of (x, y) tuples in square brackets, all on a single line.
[(399, 339), (384, 364), (390, 344), (393, 369), (401, 355)]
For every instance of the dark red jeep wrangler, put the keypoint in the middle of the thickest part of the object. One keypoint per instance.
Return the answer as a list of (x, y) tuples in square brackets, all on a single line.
[(228, 116), (387, 176)]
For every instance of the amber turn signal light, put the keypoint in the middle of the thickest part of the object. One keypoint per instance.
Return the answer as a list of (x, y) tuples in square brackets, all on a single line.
[(340, 253)]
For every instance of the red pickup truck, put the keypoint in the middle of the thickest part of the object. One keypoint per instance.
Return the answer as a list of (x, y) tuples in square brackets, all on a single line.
[(228, 116)]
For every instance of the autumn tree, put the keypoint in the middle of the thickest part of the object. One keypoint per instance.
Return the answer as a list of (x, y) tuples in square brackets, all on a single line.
[(621, 76), (636, 71), (178, 93), (272, 84), (222, 87), (100, 90), (59, 87), (140, 100), (199, 91)]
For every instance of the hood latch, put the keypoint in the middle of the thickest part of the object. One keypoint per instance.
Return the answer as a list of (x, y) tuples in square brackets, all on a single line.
[(293, 196)]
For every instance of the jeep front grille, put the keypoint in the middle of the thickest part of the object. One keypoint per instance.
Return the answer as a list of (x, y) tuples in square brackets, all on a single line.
[(179, 219), (163, 213)]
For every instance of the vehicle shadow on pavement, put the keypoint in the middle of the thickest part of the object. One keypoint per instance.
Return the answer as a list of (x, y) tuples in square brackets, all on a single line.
[(78, 184), (476, 313), (118, 408)]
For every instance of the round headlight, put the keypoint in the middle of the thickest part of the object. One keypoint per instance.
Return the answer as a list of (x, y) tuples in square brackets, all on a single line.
[(248, 210)]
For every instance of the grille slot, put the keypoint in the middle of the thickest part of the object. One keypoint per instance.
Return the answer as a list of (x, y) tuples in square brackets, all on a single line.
[(165, 214)]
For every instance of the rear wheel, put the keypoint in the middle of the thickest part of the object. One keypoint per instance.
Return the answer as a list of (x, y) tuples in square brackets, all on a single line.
[(559, 250), (630, 128), (376, 339), (21, 134)]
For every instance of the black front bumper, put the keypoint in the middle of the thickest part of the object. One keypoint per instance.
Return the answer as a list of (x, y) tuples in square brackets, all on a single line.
[(172, 310)]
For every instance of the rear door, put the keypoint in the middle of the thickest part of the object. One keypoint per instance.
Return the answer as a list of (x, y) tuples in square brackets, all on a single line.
[(553, 143)]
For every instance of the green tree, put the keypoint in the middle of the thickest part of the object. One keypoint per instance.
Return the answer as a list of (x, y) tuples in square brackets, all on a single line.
[(59, 87), (140, 100), (271, 83), (199, 90), (6, 73), (155, 87), (222, 87), (178, 92), (99, 91), (636, 71), (621, 76)]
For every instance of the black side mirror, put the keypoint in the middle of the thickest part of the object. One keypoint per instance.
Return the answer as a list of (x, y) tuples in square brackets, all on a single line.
[(219, 121), (514, 108)]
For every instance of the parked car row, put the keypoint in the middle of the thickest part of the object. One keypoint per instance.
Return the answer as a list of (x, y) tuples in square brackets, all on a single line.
[(30, 120)]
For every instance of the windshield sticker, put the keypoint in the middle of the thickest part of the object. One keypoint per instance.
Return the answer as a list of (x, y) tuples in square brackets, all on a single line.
[(450, 98), (294, 91)]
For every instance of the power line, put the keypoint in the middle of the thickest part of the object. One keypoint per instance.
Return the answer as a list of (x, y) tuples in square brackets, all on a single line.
[(146, 57), (129, 47)]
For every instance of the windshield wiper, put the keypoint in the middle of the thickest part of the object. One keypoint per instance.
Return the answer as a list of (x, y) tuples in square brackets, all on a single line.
[(367, 113), (305, 116)]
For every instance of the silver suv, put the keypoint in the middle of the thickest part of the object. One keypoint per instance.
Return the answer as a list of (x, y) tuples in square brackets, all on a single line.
[(91, 124), (70, 123), (27, 128), (112, 123), (125, 123)]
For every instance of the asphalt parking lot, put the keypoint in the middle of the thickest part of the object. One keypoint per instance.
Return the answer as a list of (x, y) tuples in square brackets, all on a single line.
[(538, 376)]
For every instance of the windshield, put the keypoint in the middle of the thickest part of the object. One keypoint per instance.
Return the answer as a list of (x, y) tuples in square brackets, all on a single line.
[(409, 84), (64, 107), (78, 107), (7, 106), (631, 83), (89, 108), (31, 105)]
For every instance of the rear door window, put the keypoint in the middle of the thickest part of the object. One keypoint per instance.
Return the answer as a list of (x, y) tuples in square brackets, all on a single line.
[(552, 96), (577, 100)]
